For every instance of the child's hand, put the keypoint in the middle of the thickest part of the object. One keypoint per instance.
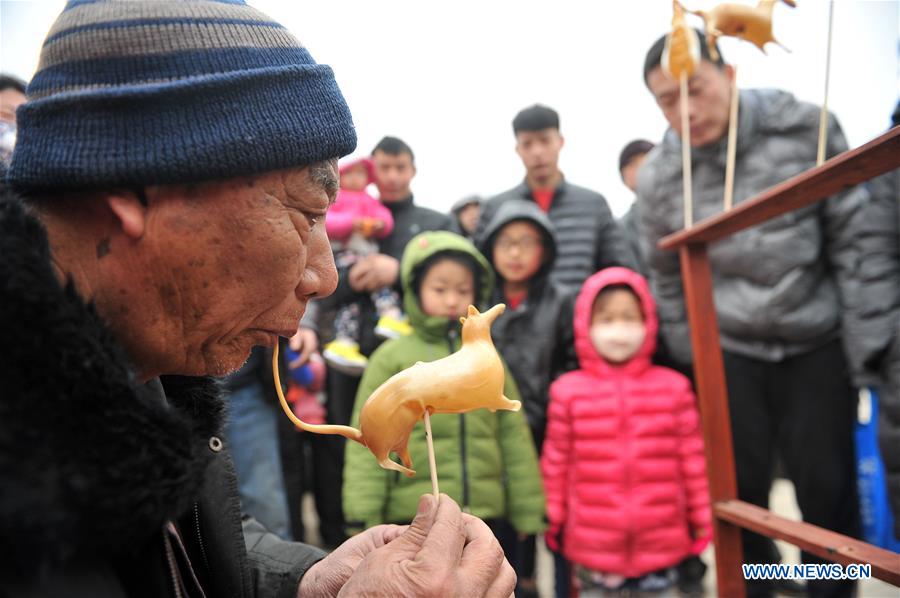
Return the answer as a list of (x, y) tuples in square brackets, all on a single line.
[(367, 226), (702, 537), (552, 538)]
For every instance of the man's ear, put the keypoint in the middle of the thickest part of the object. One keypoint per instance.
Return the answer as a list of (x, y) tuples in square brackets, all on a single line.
[(129, 211), (562, 141), (729, 72)]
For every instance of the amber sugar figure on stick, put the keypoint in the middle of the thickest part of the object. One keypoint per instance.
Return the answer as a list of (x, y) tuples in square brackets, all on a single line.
[(753, 24), (750, 23), (679, 59), (471, 378)]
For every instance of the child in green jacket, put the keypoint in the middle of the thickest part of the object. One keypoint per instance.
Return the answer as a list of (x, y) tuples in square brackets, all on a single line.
[(485, 461)]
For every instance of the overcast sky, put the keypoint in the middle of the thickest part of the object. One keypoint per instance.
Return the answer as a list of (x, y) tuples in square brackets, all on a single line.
[(448, 77)]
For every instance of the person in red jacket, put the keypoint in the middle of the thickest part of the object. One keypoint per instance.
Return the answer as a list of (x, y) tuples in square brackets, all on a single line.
[(623, 464)]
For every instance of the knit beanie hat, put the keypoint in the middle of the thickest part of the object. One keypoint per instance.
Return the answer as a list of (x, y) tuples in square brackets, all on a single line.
[(134, 93)]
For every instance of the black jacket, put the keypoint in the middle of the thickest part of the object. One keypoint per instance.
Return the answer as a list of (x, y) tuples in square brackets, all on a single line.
[(629, 225), (588, 235), (409, 221), (536, 340), (93, 465)]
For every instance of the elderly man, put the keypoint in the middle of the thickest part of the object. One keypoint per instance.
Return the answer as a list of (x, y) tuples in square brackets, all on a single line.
[(177, 160)]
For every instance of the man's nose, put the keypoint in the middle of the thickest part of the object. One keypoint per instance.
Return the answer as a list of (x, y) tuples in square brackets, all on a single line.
[(320, 276)]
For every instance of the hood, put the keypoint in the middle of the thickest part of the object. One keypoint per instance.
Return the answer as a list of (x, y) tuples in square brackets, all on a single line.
[(588, 357), (513, 210), (468, 200), (420, 248), (367, 162)]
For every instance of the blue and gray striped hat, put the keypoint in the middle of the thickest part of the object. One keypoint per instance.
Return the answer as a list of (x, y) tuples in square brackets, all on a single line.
[(134, 93)]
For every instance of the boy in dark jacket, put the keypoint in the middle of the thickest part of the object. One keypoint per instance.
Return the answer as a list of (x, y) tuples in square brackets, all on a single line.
[(534, 335)]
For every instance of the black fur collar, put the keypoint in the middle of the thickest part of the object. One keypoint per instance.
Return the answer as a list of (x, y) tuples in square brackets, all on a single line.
[(91, 465)]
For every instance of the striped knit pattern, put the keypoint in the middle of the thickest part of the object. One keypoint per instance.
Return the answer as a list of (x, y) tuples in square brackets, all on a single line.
[(134, 93)]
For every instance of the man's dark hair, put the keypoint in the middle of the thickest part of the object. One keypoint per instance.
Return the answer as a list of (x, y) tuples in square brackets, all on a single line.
[(535, 118), (632, 150), (394, 147), (11, 82), (654, 55)]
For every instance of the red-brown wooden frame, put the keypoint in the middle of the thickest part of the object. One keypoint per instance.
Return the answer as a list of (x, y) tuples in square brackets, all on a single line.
[(879, 156)]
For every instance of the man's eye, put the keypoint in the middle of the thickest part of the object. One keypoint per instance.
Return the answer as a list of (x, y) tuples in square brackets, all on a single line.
[(313, 219)]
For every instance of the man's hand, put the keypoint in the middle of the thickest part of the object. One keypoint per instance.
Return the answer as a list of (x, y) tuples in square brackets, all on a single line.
[(442, 553), (328, 576), (374, 272), (305, 342)]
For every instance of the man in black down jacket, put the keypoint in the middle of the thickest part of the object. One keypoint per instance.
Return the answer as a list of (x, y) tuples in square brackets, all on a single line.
[(589, 237), (176, 177)]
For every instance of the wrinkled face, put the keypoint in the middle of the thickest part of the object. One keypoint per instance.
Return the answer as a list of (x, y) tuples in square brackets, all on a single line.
[(709, 89), (518, 251), (355, 179), (447, 290), (468, 217), (10, 99), (630, 171), (393, 175), (539, 151), (234, 264)]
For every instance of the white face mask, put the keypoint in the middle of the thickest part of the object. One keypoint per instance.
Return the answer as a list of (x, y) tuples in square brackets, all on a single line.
[(617, 343)]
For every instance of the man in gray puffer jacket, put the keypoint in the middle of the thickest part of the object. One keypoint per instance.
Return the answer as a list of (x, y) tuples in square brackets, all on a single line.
[(780, 288)]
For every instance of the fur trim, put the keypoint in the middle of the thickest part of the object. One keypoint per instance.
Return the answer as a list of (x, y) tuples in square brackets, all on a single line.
[(90, 462)]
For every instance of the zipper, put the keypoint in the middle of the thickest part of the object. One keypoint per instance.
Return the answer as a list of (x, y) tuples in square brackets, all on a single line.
[(173, 566), (626, 437), (200, 537), (451, 336)]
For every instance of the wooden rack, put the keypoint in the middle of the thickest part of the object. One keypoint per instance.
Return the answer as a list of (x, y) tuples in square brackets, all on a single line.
[(850, 168)]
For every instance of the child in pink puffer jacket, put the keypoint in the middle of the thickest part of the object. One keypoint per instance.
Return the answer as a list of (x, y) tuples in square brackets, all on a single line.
[(355, 224), (623, 464)]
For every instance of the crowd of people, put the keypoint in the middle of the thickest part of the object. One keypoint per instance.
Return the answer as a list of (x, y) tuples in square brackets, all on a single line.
[(156, 253)]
